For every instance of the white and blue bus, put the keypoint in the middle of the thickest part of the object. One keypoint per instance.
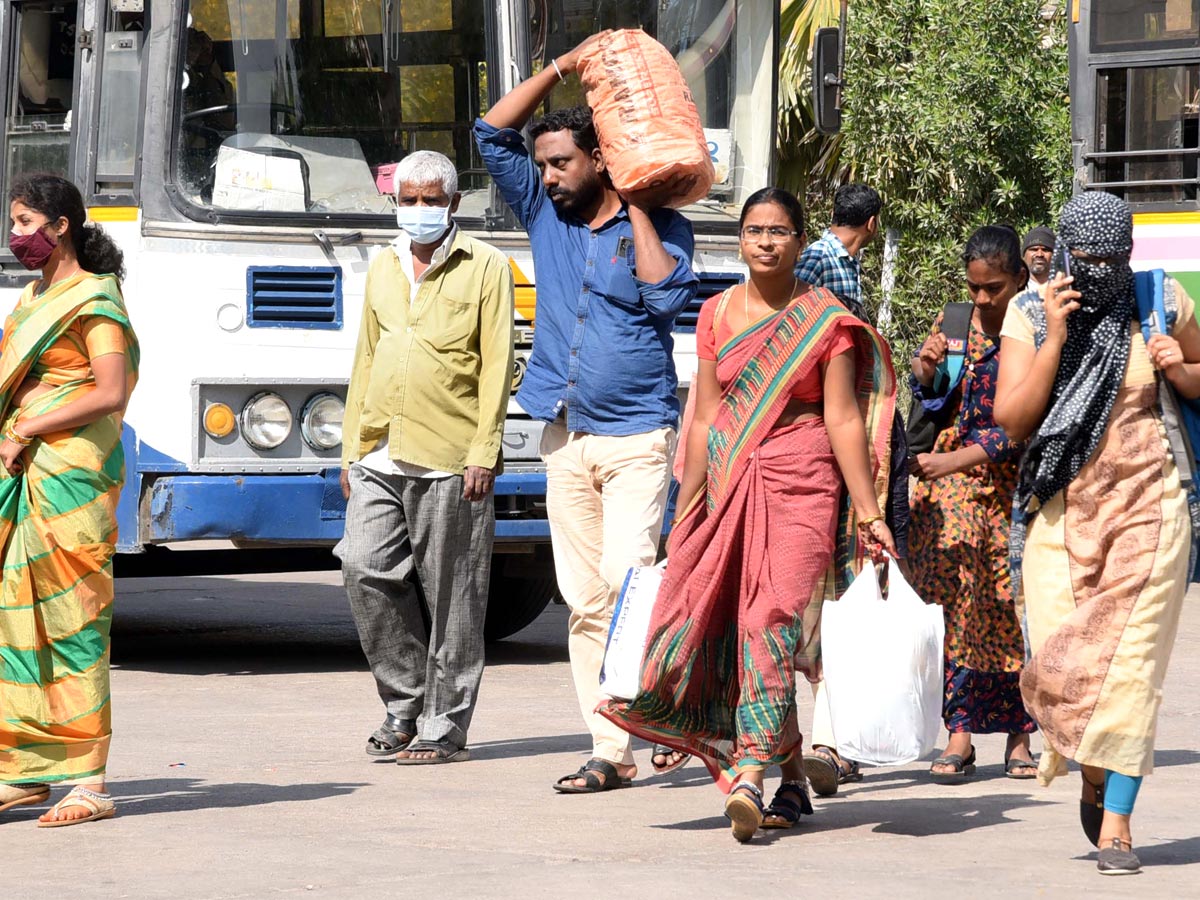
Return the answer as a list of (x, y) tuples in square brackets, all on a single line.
[(240, 151)]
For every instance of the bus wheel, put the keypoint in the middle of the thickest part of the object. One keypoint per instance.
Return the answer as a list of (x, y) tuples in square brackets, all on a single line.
[(521, 587)]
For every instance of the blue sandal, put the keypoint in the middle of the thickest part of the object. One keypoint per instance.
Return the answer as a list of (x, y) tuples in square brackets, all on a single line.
[(787, 806)]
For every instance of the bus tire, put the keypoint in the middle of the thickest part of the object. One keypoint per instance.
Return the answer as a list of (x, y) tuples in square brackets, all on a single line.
[(517, 594)]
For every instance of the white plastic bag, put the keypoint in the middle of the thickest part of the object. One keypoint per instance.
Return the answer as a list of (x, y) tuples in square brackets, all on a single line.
[(621, 674), (883, 670)]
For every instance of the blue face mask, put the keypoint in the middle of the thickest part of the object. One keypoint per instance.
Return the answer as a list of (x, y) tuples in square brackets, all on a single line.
[(423, 224)]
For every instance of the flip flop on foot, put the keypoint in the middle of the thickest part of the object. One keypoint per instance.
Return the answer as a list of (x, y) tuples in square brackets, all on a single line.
[(390, 738), (14, 795), (589, 773), (826, 770), (787, 806), (96, 806), (433, 753), (744, 809), (671, 759), (1020, 768), (963, 769)]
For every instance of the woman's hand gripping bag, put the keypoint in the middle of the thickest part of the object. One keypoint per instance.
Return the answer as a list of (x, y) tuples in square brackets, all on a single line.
[(883, 665), (649, 130)]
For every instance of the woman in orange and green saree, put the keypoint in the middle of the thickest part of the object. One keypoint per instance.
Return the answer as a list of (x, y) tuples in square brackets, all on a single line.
[(68, 361), (786, 463)]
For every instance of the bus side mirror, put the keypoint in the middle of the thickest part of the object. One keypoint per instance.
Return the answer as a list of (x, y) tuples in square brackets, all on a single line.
[(827, 80)]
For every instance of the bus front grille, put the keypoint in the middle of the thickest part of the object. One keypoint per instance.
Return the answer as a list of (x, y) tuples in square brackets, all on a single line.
[(294, 297)]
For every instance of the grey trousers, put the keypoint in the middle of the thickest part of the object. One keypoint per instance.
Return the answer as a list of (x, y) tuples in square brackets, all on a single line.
[(427, 662)]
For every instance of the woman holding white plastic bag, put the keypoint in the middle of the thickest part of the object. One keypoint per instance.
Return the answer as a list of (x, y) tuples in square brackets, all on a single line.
[(794, 406)]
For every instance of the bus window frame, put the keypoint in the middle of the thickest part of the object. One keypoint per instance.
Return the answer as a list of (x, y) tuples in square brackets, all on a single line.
[(261, 218), (1086, 65)]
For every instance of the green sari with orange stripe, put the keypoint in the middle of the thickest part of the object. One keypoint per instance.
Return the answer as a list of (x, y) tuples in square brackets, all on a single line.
[(58, 530), (757, 553)]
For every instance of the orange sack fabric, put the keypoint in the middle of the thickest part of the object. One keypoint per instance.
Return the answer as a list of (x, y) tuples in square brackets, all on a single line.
[(649, 130)]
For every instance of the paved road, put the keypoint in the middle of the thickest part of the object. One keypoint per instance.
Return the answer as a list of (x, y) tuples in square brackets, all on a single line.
[(241, 707)]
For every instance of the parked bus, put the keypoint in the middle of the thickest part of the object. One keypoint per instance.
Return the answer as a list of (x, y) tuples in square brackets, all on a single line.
[(241, 151), (1135, 121)]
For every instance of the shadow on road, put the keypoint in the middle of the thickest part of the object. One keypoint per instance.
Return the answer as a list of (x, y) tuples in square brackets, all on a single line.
[(164, 795), (534, 746), (913, 817)]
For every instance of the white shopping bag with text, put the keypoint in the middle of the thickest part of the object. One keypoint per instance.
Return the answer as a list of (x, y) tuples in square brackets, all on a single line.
[(883, 665), (621, 674)]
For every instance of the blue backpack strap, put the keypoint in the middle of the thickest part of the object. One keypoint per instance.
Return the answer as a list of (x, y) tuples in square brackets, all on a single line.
[(1144, 290)]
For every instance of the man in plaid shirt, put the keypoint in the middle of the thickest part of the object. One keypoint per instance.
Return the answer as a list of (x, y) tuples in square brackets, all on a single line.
[(832, 261)]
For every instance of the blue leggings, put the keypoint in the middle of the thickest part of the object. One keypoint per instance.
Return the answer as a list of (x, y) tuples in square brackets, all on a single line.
[(1120, 792)]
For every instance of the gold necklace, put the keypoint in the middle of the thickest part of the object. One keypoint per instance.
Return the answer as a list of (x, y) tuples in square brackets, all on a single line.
[(746, 300)]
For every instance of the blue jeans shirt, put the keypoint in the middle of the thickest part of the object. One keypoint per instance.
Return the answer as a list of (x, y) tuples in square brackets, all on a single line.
[(602, 343)]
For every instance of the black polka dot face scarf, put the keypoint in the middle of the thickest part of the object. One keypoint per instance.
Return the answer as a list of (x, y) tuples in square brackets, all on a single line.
[(1092, 367)]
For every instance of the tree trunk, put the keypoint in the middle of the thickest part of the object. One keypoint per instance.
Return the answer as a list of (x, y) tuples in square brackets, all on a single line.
[(887, 279)]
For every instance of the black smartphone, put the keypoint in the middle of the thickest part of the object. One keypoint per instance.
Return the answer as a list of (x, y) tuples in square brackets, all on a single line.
[(1064, 261)]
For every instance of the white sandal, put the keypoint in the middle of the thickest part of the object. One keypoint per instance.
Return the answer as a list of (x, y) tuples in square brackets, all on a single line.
[(12, 795), (99, 806)]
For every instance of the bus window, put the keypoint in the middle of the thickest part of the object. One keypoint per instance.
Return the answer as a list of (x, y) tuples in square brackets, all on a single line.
[(37, 120), (284, 112), (1147, 119), (120, 84), (1145, 24)]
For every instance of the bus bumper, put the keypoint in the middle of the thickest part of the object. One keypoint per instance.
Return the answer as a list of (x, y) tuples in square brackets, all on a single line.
[(306, 508)]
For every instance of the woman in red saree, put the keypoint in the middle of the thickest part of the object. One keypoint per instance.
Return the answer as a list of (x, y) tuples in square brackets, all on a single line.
[(786, 464)]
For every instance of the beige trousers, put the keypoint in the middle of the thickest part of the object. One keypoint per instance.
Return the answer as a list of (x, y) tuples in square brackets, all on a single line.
[(605, 498)]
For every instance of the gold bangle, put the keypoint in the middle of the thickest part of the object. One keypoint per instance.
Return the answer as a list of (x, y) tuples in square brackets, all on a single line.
[(11, 434), (869, 520)]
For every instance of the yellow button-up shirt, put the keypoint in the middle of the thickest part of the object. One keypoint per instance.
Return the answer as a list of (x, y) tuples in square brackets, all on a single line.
[(432, 373)]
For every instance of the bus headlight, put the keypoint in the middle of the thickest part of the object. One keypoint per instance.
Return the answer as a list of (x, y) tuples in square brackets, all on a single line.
[(266, 421), (321, 421)]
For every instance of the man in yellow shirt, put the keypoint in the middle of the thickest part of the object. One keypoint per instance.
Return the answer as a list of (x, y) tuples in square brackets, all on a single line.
[(421, 449)]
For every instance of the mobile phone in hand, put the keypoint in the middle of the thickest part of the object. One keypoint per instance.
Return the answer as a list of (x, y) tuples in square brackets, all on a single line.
[(1064, 261)]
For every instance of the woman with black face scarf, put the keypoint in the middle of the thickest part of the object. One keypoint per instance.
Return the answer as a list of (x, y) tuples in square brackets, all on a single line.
[(1101, 534)]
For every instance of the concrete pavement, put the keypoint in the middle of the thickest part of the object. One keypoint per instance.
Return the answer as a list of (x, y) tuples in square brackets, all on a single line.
[(241, 707)]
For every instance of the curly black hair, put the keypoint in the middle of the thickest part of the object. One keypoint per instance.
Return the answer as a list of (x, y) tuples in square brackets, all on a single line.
[(55, 198), (575, 119)]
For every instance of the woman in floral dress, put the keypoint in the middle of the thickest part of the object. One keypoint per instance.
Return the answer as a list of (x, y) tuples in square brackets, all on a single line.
[(961, 512)]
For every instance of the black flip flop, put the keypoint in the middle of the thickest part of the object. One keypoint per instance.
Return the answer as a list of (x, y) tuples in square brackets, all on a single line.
[(1011, 766), (444, 752), (592, 785), (390, 738), (963, 768), (664, 750)]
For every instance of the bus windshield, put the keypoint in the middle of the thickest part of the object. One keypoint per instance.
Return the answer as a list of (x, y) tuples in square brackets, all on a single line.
[(304, 107)]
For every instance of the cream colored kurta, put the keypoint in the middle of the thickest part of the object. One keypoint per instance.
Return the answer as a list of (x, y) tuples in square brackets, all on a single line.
[(1104, 576)]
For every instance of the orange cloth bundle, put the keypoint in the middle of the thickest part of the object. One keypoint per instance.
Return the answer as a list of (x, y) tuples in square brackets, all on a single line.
[(649, 130)]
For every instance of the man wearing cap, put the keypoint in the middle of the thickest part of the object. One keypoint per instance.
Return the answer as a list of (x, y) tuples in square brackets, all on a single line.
[(1037, 248)]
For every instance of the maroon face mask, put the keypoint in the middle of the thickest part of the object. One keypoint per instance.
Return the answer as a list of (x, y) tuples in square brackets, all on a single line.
[(32, 250)]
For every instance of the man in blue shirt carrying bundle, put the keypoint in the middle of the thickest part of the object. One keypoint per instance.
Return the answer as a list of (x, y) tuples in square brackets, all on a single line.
[(611, 277)]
